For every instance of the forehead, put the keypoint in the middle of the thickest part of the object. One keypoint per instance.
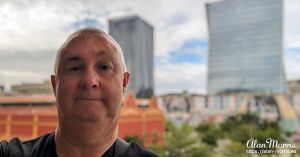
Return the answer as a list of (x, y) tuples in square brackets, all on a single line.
[(89, 44), (85, 42)]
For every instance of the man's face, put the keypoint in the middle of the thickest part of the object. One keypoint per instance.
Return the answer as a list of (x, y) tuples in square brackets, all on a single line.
[(90, 80)]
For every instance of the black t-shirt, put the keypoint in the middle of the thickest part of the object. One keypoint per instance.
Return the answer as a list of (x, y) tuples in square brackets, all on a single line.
[(44, 146)]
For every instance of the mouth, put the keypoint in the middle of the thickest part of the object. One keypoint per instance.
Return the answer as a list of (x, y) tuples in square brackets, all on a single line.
[(90, 99)]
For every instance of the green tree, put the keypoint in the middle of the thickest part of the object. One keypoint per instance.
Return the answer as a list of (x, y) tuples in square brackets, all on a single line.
[(234, 149), (182, 141), (179, 140), (242, 133), (202, 141), (239, 129), (202, 150), (209, 133)]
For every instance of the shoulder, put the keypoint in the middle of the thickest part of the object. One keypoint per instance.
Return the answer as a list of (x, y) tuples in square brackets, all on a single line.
[(3, 148), (136, 150), (17, 148), (14, 147)]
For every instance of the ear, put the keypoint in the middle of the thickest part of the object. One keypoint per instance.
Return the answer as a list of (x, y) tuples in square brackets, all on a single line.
[(53, 82), (126, 77)]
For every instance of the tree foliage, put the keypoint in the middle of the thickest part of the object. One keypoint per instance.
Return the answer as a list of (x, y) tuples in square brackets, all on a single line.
[(207, 139), (181, 141)]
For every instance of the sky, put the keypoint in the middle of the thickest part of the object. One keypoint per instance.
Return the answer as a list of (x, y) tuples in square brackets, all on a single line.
[(31, 32)]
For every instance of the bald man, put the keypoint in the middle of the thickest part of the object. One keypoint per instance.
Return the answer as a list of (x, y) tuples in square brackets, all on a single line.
[(89, 82)]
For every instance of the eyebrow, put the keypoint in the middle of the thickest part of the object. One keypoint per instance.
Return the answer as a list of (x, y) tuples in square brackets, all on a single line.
[(77, 58), (101, 53), (73, 58)]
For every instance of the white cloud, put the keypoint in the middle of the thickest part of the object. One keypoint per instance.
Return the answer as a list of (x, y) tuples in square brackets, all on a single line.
[(31, 27), (292, 66), (36, 26), (292, 23), (191, 24), (20, 74), (292, 38), (17, 77), (44, 25), (179, 77)]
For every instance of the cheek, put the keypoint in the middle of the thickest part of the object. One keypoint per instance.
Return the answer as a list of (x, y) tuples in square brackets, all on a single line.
[(115, 88), (65, 87), (65, 90)]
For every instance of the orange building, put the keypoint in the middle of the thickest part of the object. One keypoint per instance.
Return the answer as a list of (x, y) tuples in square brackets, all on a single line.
[(33, 115), (146, 123)]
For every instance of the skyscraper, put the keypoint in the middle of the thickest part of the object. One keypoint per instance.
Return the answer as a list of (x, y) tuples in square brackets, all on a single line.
[(135, 36), (245, 47), (245, 55)]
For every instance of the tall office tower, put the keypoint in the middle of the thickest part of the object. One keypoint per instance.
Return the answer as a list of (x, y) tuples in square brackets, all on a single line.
[(245, 47), (245, 55), (135, 36)]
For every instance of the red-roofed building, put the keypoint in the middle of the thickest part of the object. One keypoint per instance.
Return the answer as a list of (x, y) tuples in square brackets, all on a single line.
[(33, 115)]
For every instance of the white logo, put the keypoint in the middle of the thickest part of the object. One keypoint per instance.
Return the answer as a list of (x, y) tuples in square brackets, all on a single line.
[(270, 146)]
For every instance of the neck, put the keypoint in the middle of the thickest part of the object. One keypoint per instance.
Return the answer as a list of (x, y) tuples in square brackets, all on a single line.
[(84, 140)]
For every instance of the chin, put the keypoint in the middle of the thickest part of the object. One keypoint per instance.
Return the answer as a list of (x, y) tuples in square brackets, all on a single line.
[(88, 119), (94, 116), (88, 116)]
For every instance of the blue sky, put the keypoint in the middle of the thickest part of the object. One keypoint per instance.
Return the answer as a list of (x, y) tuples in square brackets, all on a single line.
[(191, 51), (33, 30)]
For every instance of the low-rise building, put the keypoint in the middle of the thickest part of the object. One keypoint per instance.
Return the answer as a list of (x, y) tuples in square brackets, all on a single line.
[(294, 86), (29, 116), (33, 88), (1, 89)]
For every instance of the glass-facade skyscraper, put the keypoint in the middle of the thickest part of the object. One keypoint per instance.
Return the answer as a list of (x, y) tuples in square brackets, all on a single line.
[(135, 36), (246, 56), (245, 47)]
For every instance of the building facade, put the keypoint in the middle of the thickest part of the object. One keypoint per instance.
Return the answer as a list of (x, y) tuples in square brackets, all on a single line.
[(245, 57), (1, 89), (30, 116), (33, 88), (245, 47), (294, 86), (135, 36)]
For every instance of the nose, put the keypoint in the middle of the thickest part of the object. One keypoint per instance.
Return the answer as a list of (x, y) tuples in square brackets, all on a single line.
[(90, 80)]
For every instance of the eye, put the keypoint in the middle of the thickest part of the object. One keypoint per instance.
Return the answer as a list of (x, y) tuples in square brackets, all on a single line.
[(75, 68), (104, 67)]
